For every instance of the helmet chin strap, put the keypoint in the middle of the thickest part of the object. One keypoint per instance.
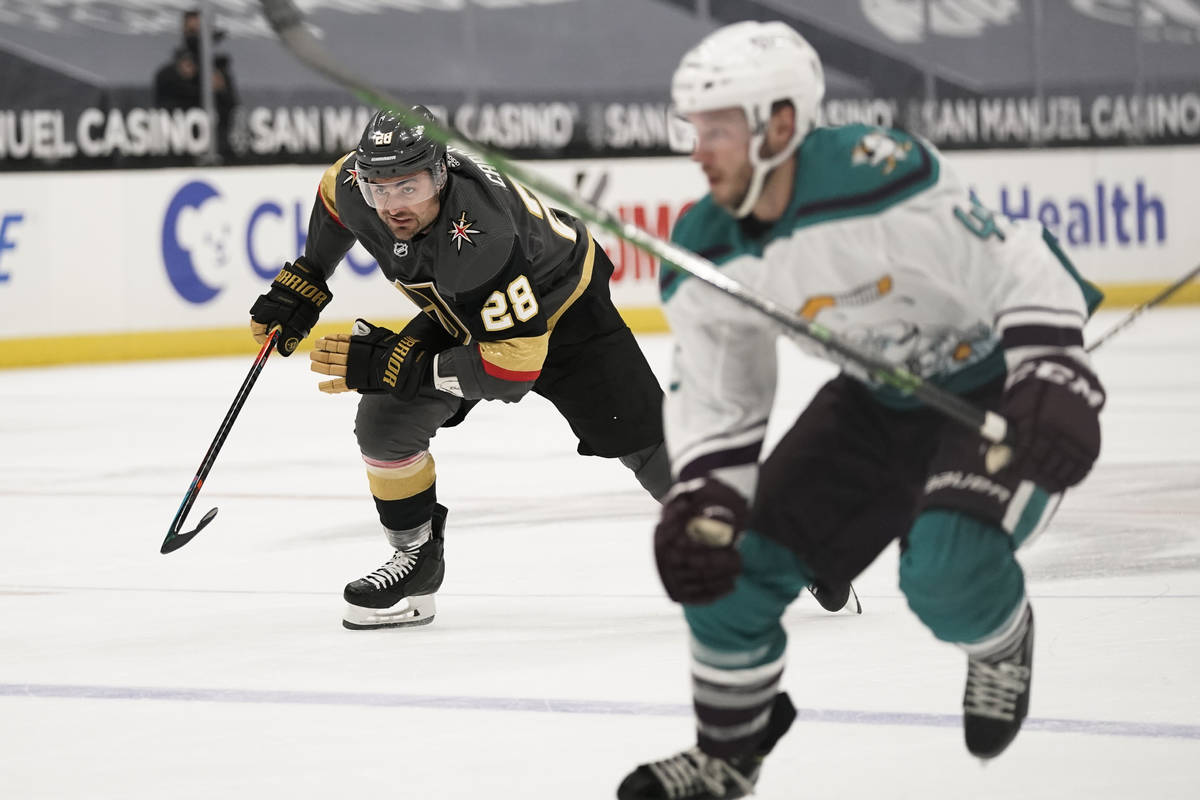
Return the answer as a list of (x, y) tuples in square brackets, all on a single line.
[(762, 168)]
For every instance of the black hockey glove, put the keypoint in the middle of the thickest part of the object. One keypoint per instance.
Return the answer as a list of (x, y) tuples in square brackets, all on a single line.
[(372, 359), (293, 302), (694, 542), (1053, 405)]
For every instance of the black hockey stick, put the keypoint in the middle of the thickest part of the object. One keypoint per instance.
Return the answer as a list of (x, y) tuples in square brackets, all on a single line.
[(289, 24), (1138, 310), (175, 539)]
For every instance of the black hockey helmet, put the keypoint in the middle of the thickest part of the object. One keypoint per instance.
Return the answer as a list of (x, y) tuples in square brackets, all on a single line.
[(391, 146)]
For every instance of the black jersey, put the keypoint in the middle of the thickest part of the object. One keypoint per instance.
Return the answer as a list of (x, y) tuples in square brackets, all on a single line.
[(497, 269)]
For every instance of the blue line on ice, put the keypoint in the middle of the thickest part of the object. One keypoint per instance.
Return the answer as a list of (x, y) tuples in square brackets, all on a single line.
[(1152, 730)]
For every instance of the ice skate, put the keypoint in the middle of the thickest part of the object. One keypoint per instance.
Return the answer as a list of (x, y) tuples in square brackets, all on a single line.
[(997, 695), (400, 593), (834, 597), (694, 775)]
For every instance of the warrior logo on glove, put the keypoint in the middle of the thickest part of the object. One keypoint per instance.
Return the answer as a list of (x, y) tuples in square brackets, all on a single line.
[(374, 359), (294, 303), (395, 361)]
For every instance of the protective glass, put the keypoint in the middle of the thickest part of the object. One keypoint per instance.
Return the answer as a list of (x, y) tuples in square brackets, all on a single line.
[(406, 190)]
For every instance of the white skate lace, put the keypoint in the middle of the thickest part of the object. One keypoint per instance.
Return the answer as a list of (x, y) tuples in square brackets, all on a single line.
[(682, 774), (391, 573), (993, 689)]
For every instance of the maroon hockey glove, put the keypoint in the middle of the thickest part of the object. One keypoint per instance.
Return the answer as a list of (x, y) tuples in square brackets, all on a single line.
[(293, 302), (694, 542), (1053, 407)]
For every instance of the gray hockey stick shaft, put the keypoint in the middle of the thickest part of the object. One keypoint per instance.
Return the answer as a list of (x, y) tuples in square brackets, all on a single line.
[(289, 24), (1142, 308)]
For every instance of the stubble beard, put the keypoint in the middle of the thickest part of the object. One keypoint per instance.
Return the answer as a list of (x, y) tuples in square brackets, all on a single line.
[(732, 191), (408, 229)]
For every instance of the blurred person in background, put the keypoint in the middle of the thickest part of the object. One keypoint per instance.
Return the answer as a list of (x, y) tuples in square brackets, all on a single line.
[(177, 83)]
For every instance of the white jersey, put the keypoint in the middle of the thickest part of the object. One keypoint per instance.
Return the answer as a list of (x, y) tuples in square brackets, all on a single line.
[(883, 245)]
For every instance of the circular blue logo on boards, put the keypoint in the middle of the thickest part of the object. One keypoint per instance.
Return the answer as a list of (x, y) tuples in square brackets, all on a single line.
[(195, 242)]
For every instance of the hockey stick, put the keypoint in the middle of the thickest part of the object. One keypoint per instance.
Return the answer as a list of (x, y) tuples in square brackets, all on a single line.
[(288, 23), (175, 539), (1146, 306)]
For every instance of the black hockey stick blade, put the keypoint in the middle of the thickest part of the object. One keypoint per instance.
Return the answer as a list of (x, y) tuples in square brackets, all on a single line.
[(174, 541)]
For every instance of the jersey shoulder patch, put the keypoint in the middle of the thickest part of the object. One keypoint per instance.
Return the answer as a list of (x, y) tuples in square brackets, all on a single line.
[(857, 170)]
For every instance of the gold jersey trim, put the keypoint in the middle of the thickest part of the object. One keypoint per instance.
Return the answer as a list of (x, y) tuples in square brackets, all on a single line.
[(524, 355), (327, 190), (585, 278)]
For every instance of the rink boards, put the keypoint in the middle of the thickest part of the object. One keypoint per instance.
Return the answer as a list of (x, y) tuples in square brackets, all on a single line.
[(161, 263)]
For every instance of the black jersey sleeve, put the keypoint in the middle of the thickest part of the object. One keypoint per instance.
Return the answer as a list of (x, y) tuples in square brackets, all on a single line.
[(328, 238)]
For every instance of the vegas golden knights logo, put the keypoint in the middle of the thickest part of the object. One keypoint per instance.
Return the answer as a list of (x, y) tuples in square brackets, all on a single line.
[(426, 298)]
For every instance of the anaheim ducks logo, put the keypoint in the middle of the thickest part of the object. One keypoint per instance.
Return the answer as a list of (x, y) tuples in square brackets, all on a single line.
[(461, 231), (879, 148), (858, 296)]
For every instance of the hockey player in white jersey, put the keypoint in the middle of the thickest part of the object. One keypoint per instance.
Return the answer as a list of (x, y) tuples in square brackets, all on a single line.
[(870, 233)]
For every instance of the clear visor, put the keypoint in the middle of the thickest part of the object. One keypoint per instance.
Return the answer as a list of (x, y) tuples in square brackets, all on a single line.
[(406, 190)]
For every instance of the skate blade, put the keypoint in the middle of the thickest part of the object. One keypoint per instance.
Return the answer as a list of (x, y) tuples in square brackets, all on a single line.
[(417, 611), (852, 605)]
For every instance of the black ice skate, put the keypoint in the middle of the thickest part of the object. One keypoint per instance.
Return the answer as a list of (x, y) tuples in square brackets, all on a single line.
[(834, 597), (693, 775), (997, 696), (400, 594)]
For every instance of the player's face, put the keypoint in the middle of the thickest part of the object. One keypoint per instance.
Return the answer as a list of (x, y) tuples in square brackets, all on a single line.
[(407, 204), (723, 152)]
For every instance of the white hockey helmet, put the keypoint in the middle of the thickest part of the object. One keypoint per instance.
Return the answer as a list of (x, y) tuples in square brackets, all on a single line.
[(752, 65)]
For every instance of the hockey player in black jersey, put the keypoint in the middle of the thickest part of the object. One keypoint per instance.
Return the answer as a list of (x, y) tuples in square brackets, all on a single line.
[(514, 298)]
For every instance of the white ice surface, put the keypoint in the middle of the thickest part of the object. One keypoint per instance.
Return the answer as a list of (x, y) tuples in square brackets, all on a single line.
[(555, 664)]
